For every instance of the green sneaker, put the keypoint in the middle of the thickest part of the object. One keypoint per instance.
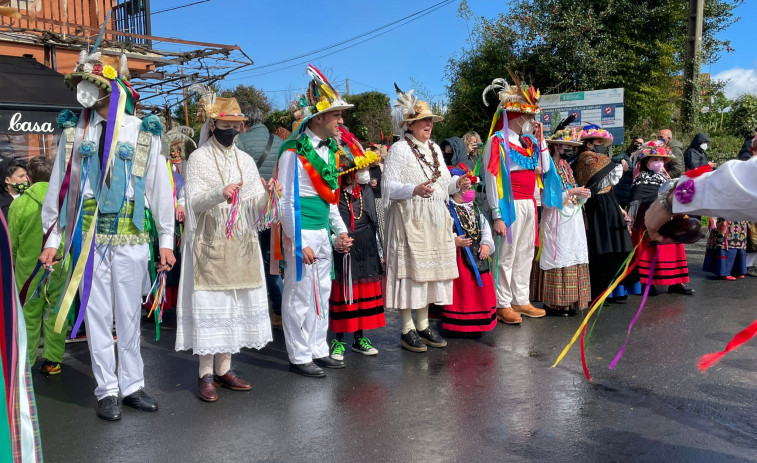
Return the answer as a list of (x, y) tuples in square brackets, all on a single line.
[(337, 349), (363, 346)]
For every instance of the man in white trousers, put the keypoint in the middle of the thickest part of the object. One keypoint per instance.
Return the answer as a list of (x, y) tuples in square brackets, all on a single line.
[(308, 172), (138, 184)]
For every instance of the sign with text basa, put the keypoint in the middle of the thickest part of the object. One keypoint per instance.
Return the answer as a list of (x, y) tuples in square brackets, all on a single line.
[(600, 107)]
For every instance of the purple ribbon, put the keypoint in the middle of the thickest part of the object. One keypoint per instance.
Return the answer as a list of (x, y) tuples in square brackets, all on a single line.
[(643, 301), (684, 192)]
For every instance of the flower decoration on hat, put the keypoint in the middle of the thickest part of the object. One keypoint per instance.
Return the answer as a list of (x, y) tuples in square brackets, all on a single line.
[(213, 107), (594, 132), (655, 148), (109, 72), (320, 97), (102, 70), (565, 137)]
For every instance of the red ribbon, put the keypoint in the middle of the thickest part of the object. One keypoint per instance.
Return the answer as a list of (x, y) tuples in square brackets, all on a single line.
[(706, 361)]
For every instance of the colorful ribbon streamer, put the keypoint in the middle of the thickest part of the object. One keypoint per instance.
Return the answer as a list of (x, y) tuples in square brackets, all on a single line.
[(232, 222), (708, 360)]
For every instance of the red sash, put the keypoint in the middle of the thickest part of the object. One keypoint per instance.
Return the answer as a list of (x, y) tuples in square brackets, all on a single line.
[(524, 185), (321, 187)]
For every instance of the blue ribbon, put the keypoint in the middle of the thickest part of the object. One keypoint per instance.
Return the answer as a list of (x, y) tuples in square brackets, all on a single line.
[(467, 248), (297, 220), (553, 187)]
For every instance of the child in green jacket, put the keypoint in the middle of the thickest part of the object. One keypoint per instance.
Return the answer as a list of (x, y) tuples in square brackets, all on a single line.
[(25, 226)]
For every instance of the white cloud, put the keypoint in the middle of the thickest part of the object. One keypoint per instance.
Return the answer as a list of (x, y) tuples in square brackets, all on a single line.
[(738, 81)]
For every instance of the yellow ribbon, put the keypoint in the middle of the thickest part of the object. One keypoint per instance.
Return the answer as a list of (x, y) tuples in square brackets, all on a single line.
[(73, 284), (597, 305)]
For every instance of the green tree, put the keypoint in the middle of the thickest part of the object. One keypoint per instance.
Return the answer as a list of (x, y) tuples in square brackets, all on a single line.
[(248, 95), (279, 118), (370, 117), (572, 45), (744, 115)]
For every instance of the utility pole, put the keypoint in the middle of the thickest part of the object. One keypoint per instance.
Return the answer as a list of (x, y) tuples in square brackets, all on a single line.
[(184, 94), (692, 58), (348, 86)]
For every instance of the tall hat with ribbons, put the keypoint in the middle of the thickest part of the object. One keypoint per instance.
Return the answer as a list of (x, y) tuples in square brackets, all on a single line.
[(408, 108), (320, 97), (514, 100)]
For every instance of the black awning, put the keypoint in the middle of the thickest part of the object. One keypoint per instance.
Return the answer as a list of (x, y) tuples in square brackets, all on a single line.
[(27, 83)]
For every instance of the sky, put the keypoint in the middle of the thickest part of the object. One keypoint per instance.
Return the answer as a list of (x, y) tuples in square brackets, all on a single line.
[(411, 54)]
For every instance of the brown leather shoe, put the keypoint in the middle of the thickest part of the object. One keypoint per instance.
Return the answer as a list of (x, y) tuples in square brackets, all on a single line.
[(508, 316), (206, 389), (529, 310), (232, 381), (276, 321)]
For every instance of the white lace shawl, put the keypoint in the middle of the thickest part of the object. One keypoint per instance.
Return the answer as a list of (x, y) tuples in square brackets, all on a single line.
[(204, 188)]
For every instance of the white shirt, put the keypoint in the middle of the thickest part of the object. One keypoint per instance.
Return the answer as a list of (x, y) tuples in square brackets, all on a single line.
[(158, 193), (286, 177)]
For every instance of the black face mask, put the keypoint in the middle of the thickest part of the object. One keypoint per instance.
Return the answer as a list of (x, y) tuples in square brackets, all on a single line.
[(225, 137)]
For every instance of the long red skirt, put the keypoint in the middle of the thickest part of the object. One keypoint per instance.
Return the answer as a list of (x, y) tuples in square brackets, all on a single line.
[(473, 308), (365, 313)]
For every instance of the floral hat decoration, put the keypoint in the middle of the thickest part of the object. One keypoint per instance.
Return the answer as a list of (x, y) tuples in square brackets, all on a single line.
[(519, 98), (595, 132), (320, 97), (103, 70), (655, 149), (568, 137)]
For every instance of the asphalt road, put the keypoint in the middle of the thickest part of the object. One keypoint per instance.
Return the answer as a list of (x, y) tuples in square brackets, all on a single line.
[(489, 399)]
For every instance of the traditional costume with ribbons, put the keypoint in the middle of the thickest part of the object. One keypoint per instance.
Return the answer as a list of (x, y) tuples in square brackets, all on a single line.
[(308, 172), (110, 192), (515, 166), (561, 278), (223, 302)]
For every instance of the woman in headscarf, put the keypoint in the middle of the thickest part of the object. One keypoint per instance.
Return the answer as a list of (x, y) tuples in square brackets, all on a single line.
[(420, 247)]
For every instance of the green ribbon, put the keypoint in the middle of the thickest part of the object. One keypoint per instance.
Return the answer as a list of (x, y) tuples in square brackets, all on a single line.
[(304, 147)]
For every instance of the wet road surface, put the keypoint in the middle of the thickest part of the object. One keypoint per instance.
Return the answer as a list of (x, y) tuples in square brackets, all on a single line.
[(493, 399)]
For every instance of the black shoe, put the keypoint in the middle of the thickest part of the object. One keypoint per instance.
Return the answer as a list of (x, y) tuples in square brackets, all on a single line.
[(328, 362), (572, 312), (555, 312), (751, 271), (681, 289), (310, 369), (653, 291), (430, 337), (412, 342), (107, 408), (141, 401)]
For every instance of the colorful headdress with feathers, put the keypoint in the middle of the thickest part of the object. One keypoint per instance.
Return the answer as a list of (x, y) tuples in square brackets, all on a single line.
[(103, 70), (407, 108), (320, 97), (569, 137), (517, 98), (353, 157)]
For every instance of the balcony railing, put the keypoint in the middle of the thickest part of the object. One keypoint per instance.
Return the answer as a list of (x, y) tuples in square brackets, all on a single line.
[(65, 16)]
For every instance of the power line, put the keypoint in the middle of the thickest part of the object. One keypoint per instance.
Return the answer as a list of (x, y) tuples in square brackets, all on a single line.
[(180, 6), (386, 31), (394, 25)]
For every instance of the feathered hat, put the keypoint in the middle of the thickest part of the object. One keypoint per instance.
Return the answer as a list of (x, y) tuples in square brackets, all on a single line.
[(568, 137), (103, 71), (320, 97), (514, 100), (594, 132), (213, 107), (407, 108), (353, 157)]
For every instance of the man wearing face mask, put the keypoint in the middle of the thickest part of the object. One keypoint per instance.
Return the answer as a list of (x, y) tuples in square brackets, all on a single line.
[(113, 176), (676, 165), (308, 172), (16, 181), (696, 154), (514, 158)]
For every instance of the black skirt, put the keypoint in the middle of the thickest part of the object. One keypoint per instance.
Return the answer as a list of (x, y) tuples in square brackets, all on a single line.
[(366, 262), (608, 240)]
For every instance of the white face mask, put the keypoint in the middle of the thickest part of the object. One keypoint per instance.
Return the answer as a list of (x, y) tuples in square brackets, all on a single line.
[(363, 177), (527, 128), (87, 93), (704, 146)]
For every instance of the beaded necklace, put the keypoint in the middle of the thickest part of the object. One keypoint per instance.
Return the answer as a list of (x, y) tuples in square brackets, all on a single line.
[(435, 172), (469, 221), (359, 195)]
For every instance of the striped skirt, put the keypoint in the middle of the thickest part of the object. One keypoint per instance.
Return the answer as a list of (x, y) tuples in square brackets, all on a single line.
[(561, 287), (671, 267), (366, 311)]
